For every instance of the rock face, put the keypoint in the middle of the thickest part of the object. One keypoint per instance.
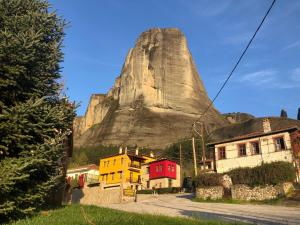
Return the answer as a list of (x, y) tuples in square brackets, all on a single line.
[(154, 101)]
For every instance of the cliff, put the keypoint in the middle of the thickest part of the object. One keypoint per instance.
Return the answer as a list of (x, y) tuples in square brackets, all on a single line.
[(155, 99)]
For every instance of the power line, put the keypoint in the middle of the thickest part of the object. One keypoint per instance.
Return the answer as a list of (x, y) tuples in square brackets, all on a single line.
[(239, 60)]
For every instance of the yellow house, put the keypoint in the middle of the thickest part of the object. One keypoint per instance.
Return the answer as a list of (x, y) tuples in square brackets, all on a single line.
[(112, 168)]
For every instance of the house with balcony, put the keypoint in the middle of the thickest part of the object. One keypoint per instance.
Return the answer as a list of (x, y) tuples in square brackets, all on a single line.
[(122, 170), (161, 173), (86, 175), (256, 141)]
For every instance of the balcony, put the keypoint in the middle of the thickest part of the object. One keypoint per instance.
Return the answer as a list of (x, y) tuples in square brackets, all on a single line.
[(134, 165), (133, 180)]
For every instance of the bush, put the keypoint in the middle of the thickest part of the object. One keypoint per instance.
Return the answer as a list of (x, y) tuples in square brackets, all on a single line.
[(208, 180), (268, 173), (168, 190), (144, 192), (160, 190)]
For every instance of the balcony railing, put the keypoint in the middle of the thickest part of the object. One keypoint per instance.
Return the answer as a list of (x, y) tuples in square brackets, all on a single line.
[(133, 180), (135, 165)]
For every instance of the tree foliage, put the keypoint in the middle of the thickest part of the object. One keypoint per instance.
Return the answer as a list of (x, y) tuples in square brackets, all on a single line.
[(34, 117), (283, 113), (208, 180), (268, 173)]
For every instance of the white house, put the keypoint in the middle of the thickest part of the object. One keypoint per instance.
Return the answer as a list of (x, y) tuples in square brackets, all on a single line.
[(256, 141), (90, 173)]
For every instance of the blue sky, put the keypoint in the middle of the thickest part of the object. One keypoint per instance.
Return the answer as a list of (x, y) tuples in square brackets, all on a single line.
[(268, 78)]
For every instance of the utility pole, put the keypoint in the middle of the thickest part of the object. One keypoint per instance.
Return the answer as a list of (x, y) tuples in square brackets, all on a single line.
[(123, 175), (181, 165), (194, 152), (203, 146)]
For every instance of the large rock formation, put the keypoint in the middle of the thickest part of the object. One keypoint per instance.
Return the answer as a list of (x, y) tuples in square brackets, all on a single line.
[(154, 101)]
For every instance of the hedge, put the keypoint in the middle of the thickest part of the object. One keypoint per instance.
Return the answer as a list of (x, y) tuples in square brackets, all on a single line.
[(161, 190), (268, 173), (208, 180)]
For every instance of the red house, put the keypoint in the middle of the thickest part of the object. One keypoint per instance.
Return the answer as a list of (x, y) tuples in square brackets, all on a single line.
[(162, 168), (164, 173)]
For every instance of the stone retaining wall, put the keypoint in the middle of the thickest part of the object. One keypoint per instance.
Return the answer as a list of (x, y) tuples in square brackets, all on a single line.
[(95, 196), (216, 192), (244, 192)]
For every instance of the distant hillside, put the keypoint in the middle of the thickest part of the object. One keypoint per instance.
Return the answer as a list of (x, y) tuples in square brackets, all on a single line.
[(237, 117)]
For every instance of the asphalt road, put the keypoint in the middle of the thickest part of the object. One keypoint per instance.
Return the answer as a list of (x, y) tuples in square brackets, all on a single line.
[(181, 205)]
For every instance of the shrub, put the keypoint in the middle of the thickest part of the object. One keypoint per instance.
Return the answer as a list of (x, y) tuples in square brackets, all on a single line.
[(208, 180), (268, 173), (144, 192), (168, 190), (161, 190)]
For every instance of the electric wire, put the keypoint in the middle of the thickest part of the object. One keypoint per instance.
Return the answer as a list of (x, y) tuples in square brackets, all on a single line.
[(239, 60)]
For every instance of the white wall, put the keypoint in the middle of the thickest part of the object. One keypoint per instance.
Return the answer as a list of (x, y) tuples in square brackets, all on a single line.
[(267, 148)]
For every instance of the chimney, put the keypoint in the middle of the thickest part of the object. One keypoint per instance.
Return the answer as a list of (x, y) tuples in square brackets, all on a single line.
[(125, 150), (120, 150), (266, 125), (137, 151), (151, 154)]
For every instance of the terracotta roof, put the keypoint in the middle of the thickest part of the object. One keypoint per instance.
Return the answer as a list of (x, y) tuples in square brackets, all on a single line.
[(251, 128), (85, 167), (163, 159)]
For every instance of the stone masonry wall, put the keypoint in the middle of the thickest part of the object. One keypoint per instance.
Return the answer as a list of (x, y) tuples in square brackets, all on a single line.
[(244, 192), (216, 192), (95, 196)]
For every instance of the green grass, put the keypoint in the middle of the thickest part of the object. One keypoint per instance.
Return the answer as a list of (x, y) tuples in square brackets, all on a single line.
[(97, 215), (276, 201)]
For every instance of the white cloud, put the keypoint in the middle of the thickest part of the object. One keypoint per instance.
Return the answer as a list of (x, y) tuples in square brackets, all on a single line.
[(292, 45), (260, 77), (207, 7), (272, 79), (295, 76), (238, 39)]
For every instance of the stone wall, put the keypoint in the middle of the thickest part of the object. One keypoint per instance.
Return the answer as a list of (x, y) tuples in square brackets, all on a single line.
[(244, 192), (216, 192), (95, 196)]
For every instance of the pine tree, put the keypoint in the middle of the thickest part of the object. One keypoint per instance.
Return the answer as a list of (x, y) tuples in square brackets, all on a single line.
[(298, 116), (34, 118), (283, 113)]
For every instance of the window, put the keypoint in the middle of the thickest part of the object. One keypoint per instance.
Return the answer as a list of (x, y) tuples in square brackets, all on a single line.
[(115, 161), (222, 153), (279, 143), (120, 175), (112, 176), (103, 177), (156, 168), (242, 150), (104, 163), (160, 168), (255, 148), (122, 161), (173, 168), (107, 163), (169, 168)]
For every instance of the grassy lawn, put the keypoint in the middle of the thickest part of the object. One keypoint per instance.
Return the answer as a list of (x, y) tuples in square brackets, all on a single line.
[(96, 215), (277, 201)]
